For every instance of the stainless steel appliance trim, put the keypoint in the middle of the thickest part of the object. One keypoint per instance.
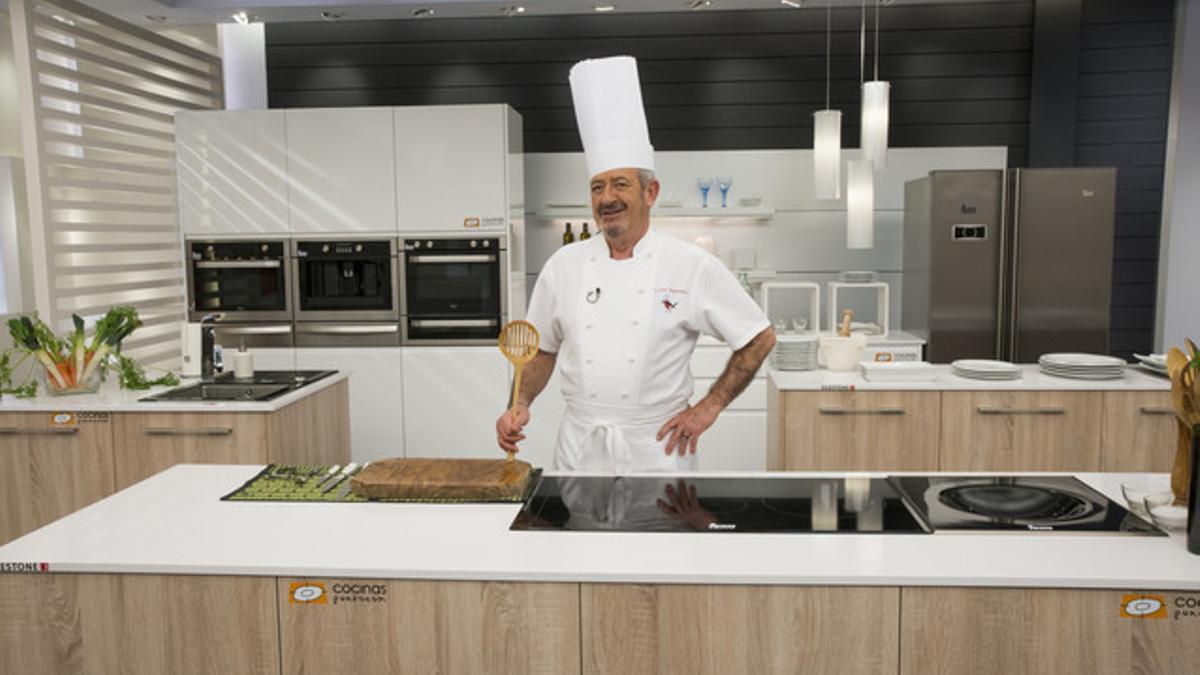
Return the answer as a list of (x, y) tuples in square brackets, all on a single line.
[(991, 410), (828, 410), (198, 431), (1001, 266), (1153, 410), (52, 431), (267, 315), (237, 264), (454, 323), (453, 258), (393, 314), (254, 330), (346, 329), (1014, 260)]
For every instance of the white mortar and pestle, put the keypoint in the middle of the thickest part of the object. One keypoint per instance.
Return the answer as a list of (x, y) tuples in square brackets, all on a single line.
[(843, 351)]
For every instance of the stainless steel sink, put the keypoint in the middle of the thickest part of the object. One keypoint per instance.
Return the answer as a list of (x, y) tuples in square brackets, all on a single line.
[(223, 392)]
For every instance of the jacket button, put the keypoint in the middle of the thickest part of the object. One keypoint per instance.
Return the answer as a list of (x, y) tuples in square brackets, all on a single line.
[(624, 394), (631, 360), (635, 322), (593, 393), (587, 360)]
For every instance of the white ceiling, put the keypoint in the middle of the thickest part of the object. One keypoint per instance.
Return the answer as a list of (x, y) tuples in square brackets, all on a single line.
[(219, 11)]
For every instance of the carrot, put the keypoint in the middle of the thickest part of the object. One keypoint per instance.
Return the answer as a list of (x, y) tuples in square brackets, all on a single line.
[(64, 368)]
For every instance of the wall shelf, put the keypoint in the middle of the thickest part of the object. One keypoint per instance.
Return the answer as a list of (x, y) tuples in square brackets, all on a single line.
[(661, 212)]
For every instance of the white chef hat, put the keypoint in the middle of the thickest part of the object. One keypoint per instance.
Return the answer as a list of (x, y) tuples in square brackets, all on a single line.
[(608, 109)]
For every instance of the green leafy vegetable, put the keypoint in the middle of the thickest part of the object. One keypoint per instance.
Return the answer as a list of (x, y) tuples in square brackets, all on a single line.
[(131, 375)]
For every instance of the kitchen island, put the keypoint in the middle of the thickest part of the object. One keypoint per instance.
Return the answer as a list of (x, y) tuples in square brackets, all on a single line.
[(61, 453), (165, 577)]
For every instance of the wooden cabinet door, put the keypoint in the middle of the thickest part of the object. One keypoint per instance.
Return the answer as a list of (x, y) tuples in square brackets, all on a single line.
[(860, 431), (1020, 431), (147, 443), (51, 465), (1139, 432)]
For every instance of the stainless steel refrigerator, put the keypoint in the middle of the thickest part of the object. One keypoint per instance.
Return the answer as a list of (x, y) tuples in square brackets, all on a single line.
[(1009, 265)]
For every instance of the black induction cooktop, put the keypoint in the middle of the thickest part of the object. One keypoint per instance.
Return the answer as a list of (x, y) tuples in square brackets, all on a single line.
[(1022, 503), (718, 505)]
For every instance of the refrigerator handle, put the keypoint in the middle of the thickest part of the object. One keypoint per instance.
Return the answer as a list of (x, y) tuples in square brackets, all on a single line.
[(1015, 261), (1002, 267)]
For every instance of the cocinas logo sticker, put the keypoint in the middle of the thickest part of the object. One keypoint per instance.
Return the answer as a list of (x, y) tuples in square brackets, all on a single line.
[(307, 593), (1143, 607)]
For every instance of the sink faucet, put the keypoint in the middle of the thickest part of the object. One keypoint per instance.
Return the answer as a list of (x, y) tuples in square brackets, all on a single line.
[(208, 364)]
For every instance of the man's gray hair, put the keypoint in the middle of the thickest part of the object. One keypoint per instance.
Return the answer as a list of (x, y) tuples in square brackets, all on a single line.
[(646, 176)]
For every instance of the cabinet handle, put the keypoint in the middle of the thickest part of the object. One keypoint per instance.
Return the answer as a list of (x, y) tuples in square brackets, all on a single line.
[(198, 431), (49, 431), (1152, 410), (826, 410), (988, 410)]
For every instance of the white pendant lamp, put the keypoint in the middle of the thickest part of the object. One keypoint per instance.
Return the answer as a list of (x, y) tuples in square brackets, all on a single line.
[(860, 204), (875, 95), (827, 137)]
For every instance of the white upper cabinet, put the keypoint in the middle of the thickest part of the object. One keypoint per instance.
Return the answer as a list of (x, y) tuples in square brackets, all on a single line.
[(232, 172), (451, 164), (341, 172)]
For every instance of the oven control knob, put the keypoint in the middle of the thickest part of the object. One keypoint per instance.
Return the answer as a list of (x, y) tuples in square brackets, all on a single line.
[(487, 243), (325, 248), (358, 248), (429, 244), (264, 248), (416, 244), (474, 243)]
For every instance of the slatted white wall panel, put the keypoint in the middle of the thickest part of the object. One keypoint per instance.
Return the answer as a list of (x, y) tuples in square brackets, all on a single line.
[(100, 164)]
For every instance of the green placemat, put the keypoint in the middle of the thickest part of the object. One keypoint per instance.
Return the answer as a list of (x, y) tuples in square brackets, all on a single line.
[(299, 483)]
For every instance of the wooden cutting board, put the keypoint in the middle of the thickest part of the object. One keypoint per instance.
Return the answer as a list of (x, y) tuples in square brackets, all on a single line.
[(483, 480)]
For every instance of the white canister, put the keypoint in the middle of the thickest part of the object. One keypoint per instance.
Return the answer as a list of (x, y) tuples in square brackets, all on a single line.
[(243, 364), (842, 353)]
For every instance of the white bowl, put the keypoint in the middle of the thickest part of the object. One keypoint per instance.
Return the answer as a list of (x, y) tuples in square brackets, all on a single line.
[(843, 353)]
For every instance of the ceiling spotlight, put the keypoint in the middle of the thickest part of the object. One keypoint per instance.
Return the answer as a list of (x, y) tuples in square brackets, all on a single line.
[(332, 16), (604, 8), (699, 4), (794, 4), (156, 18), (511, 10), (241, 17), (423, 12)]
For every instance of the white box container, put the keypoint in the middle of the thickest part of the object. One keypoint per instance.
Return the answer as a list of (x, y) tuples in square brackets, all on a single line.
[(895, 347), (792, 301), (864, 299)]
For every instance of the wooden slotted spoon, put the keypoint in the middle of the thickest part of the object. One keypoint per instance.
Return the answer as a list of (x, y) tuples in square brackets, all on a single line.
[(519, 343)]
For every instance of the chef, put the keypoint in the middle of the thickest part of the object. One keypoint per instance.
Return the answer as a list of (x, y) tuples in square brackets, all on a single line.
[(620, 314)]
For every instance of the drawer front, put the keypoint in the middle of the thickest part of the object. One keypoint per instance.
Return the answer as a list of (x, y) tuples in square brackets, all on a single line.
[(860, 431), (1020, 431), (737, 441), (1139, 432), (149, 443), (51, 465)]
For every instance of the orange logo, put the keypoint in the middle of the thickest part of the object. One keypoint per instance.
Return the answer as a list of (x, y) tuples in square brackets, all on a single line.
[(1143, 607), (307, 593)]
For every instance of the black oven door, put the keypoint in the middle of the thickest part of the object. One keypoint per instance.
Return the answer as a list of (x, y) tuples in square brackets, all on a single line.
[(452, 293), (242, 281), (353, 280)]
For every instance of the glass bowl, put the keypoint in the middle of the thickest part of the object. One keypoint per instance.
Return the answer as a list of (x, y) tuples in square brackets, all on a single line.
[(1165, 512), (1136, 491)]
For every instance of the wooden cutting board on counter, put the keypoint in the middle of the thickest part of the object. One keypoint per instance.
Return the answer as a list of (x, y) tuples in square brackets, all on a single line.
[(464, 480)]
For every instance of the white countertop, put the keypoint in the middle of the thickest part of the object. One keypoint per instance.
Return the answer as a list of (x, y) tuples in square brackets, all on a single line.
[(1032, 379), (111, 398), (173, 523)]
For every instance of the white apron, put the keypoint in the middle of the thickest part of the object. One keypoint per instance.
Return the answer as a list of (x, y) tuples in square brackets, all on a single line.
[(603, 429)]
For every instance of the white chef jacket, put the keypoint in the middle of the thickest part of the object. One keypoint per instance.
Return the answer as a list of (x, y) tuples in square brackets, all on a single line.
[(624, 332)]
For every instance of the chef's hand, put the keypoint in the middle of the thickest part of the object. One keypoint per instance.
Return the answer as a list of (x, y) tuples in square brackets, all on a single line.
[(686, 427), (683, 504), (509, 426)]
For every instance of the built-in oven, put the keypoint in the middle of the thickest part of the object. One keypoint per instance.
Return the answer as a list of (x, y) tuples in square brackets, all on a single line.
[(346, 292), (455, 289), (246, 282)]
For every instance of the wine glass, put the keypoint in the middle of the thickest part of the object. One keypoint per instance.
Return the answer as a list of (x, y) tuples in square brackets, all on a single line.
[(705, 184), (724, 184)]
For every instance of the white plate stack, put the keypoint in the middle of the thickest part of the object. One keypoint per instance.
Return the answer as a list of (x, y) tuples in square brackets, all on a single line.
[(985, 369), (1082, 366), (898, 371), (795, 352)]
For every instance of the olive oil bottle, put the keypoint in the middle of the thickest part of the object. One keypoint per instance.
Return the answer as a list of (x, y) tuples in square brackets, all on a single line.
[(568, 235), (585, 234)]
